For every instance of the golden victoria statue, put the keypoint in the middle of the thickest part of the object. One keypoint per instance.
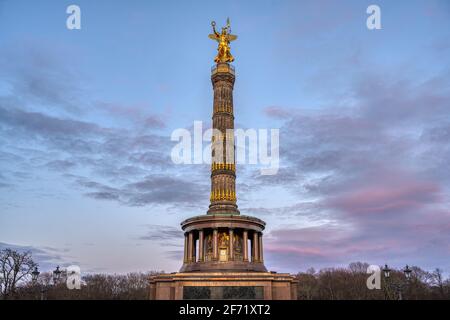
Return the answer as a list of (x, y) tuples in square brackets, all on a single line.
[(224, 38)]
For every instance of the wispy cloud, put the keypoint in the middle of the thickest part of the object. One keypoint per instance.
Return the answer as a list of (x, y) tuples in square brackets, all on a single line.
[(46, 257)]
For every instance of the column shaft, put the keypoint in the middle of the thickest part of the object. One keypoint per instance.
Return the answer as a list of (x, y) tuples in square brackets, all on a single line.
[(223, 177), (245, 242), (200, 246), (231, 233), (186, 245), (191, 247), (215, 247), (255, 247), (261, 248), (194, 249)]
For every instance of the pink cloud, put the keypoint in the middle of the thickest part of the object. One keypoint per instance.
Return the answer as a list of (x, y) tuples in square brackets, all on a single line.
[(387, 194), (309, 251), (277, 112)]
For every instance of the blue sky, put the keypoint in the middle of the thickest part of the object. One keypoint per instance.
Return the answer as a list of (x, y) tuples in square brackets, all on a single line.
[(86, 117)]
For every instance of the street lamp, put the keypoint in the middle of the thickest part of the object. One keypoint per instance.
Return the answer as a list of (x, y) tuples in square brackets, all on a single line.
[(399, 285), (34, 277), (387, 271), (407, 271), (35, 274), (56, 275)]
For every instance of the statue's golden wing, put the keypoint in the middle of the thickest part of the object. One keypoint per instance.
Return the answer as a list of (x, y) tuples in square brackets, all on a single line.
[(232, 37), (213, 37)]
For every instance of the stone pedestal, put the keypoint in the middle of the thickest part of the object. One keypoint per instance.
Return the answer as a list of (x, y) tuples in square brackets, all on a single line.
[(223, 285)]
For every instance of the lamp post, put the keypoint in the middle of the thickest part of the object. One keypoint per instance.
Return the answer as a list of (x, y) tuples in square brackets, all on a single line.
[(35, 277), (400, 285), (56, 275), (35, 274), (43, 287)]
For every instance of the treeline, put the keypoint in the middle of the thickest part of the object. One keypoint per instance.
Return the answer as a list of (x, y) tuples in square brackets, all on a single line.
[(20, 279), (350, 284), (16, 282), (132, 286)]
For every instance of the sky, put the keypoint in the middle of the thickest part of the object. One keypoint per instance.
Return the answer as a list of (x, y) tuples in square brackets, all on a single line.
[(86, 117)]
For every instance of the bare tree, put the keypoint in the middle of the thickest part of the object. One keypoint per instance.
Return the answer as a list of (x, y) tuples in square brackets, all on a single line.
[(15, 267), (438, 282)]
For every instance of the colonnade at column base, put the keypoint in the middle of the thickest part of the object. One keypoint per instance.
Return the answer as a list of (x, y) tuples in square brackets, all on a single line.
[(223, 242)]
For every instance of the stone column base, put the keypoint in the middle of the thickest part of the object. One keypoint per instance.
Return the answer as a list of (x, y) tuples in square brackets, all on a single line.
[(223, 285)]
